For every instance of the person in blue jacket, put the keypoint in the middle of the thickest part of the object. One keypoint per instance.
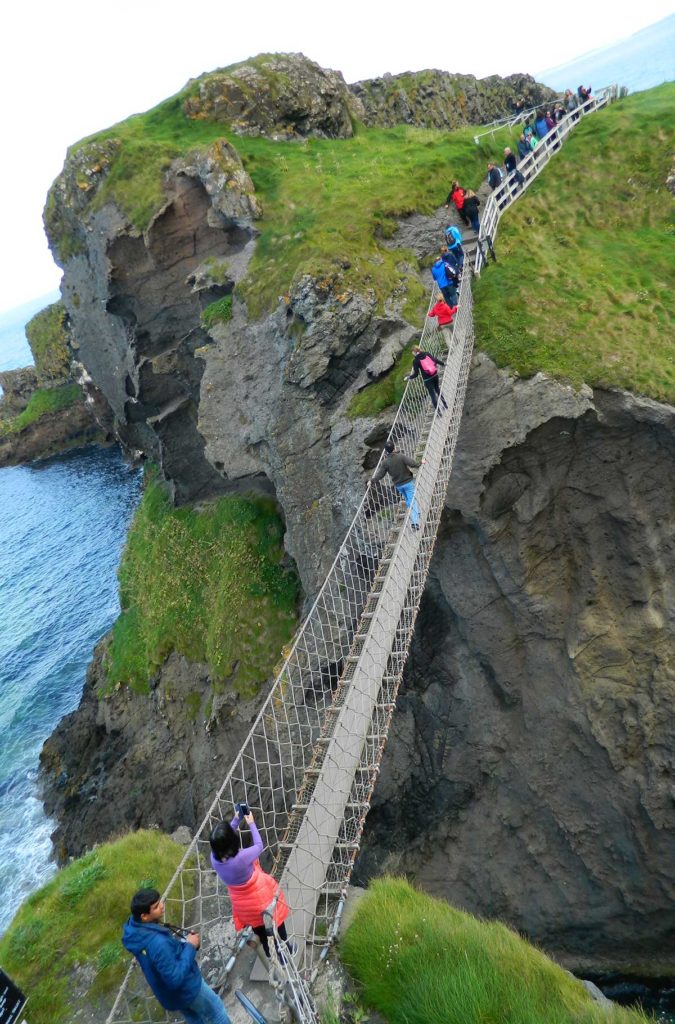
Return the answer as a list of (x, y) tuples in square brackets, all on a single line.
[(453, 239), (540, 126), (439, 272), (167, 957)]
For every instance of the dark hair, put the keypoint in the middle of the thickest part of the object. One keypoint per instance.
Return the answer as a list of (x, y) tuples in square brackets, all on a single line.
[(224, 841), (389, 447), (142, 900)]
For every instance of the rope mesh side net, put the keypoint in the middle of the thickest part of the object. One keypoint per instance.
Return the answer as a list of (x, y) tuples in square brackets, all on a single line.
[(310, 762)]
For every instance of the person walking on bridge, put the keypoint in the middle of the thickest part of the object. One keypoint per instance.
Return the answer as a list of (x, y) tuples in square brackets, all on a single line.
[(167, 956), (427, 365), (251, 890), (398, 466)]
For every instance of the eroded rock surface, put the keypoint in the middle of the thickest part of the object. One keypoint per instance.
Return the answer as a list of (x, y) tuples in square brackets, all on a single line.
[(134, 300), (527, 772), (282, 95), (439, 99)]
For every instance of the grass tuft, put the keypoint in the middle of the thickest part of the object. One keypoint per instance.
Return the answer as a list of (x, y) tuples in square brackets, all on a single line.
[(218, 312), (417, 960)]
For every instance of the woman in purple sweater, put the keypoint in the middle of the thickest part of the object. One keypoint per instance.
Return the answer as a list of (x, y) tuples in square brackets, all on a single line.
[(251, 889)]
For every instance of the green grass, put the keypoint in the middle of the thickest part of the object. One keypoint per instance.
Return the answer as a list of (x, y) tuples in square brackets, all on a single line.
[(46, 334), (218, 312), (386, 391), (584, 284), (42, 402), (208, 584), (417, 959), (77, 918)]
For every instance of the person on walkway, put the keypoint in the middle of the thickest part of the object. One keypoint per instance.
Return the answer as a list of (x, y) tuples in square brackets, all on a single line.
[(453, 239), (523, 147), (558, 113), (167, 957), (427, 365), (494, 177), (571, 103), (540, 126), (442, 277), (444, 314), (511, 165), (453, 272), (471, 204), (584, 93), (398, 466), (456, 196), (251, 890)]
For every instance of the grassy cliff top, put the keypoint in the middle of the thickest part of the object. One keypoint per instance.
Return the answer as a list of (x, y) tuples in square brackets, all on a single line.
[(326, 203), (417, 959), (67, 935), (584, 285), (208, 583)]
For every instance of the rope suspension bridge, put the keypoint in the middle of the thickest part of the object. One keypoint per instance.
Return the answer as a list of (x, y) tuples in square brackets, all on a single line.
[(309, 765)]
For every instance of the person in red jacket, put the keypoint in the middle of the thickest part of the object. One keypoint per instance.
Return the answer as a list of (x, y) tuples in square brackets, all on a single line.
[(456, 196), (444, 314)]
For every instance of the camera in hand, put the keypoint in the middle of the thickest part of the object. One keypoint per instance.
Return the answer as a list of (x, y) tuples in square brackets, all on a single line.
[(242, 809)]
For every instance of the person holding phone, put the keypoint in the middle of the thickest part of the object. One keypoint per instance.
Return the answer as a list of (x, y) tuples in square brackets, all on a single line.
[(251, 890)]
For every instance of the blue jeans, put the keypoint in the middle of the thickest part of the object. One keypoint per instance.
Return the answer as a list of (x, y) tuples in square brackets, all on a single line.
[(407, 490), (206, 1008)]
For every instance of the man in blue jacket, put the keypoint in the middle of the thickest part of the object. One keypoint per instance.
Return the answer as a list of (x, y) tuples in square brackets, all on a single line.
[(167, 957)]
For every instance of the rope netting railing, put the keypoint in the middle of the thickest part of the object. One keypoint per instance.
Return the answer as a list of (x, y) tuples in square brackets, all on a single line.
[(308, 767), (532, 165)]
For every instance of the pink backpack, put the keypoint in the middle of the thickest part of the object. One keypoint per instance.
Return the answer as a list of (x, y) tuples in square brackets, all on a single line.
[(428, 365)]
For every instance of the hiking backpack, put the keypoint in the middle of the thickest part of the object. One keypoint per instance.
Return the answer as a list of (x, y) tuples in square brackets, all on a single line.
[(453, 236), (428, 365)]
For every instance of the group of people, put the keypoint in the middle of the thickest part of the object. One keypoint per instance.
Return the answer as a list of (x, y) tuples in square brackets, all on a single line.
[(167, 954)]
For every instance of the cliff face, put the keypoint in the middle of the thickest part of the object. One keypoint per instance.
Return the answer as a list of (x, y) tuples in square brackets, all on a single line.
[(526, 775), (526, 772)]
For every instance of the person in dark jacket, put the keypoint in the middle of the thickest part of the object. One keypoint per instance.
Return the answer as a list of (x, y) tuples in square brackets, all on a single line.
[(523, 147), (453, 238), (427, 365), (471, 204), (511, 165), (584, 93), (494, 177), (167, 957), (398, 466)]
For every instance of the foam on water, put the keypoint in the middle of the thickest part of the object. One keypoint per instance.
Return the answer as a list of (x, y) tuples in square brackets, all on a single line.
[(62, 526)]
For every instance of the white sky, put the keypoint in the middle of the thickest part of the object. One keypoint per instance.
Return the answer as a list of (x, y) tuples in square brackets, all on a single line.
[(70, 68)]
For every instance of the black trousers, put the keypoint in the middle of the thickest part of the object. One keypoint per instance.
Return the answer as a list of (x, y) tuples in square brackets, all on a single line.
[(261, 932), (434, 389)]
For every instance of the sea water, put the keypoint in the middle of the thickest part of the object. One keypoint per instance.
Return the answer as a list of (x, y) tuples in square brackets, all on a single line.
[(63, 523)]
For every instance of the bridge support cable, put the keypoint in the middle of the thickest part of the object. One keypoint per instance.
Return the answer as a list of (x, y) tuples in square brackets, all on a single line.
[(310, 762)]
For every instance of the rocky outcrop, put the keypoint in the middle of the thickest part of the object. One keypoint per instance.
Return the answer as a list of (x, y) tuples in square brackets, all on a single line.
[(17, 388), (54, 432), (533, 735), (134, 300), (127, 760), (439, 99), (281, 95), (286, 383)]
